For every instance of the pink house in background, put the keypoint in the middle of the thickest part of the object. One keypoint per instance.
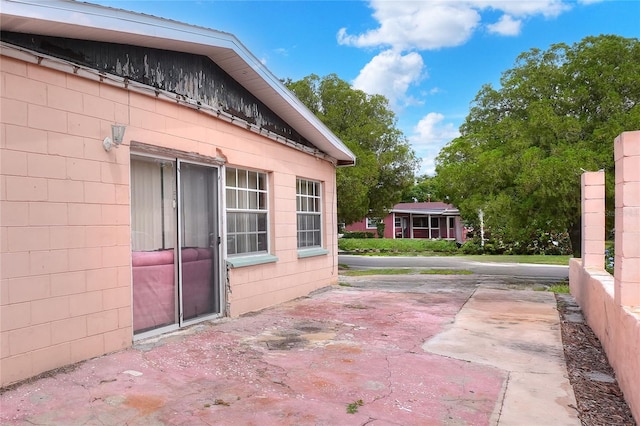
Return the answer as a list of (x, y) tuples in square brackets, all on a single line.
[(433, 220), (218, 200)]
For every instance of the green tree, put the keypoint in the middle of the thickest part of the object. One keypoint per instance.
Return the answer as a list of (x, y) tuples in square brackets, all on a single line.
[(422, 190), (385, 164), (523, 146)]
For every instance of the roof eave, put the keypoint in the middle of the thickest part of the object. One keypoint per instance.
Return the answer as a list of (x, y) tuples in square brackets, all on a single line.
[(71, 19)]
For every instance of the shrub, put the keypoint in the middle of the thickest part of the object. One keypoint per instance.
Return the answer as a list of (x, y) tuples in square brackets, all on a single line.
[(397, 245), (358, 234), (541, 242), (549, 243), (471, 247), (609, 259)]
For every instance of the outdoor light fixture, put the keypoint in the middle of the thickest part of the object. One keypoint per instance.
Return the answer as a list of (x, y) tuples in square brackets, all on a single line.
[(117, 134)]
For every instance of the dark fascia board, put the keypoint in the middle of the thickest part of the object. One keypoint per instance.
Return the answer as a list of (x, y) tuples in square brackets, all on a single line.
[(80, 20)]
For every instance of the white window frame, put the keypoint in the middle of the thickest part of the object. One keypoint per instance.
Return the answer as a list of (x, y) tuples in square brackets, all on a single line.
[(372, 223), (303, 204), (248, 199), (397, 221), (308, 205)]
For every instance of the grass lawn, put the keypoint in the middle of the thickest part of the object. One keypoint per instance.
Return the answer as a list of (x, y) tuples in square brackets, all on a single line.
[(561, 287), (417, 247), (446, 272), (539, 259)]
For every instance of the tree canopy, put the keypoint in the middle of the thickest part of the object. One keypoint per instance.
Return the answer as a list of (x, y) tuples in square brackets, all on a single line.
[(422, 190), (524, 146), (385, 164)]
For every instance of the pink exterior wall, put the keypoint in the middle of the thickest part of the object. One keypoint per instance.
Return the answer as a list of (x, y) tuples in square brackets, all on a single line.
[(259, 286), (65, 255), (65, 213), (389, 226), (612, 306), (361, 226)]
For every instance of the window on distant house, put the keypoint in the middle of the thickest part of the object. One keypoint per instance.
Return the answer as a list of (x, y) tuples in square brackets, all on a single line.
[(420, 221), (372, 223), (309, 211), (247, 221)]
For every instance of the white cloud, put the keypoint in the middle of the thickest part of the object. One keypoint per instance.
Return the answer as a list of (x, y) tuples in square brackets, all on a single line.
[(431, 130), (429, 136), (428, 25), (406, 28), (506, 26), (411, 26), (415, 24), (427, 166), (521, 8), (281, 51), (390, 74)]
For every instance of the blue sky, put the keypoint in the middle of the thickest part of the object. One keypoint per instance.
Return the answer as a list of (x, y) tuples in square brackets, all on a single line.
[(429, 58)]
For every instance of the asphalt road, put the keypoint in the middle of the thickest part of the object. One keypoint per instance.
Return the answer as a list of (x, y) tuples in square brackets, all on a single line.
[(539, 273)]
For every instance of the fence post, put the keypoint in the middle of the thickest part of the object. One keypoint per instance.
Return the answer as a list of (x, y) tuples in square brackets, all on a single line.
[(627, 219), (593, 220)]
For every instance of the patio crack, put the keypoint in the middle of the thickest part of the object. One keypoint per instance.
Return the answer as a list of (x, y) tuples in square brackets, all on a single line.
[(467, 300), (503, 395), (389, 383)]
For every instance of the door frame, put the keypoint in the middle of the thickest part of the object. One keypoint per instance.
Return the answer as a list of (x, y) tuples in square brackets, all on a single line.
[(218, 257)]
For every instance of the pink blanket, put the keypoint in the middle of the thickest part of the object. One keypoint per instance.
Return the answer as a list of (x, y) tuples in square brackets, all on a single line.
[(154, 286)]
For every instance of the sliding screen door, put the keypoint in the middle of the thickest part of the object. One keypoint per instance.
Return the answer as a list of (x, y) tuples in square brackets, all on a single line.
[(174, 241), (199, 240)]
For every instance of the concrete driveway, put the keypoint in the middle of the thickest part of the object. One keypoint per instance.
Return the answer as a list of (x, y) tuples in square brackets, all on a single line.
[(424, 351)]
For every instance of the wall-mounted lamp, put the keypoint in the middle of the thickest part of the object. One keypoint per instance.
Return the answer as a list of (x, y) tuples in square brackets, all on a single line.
[(117, 134)]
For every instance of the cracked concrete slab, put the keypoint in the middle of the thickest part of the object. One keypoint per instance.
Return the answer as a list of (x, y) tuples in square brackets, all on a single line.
[(374, 354)]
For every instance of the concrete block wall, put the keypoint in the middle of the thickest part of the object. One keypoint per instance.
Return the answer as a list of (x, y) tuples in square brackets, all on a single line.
[(611, 305), (258, 286), (593, 230), (65, 268), (64, 221), (627, 219)]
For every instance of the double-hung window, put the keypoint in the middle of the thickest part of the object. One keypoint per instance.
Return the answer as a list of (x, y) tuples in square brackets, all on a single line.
[(247, 223), (372, 223), (309, 212)]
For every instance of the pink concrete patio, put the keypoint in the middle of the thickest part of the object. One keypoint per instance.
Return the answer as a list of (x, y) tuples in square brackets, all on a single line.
[(434, 354)]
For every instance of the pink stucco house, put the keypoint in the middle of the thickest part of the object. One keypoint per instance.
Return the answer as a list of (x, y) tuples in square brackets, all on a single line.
[(219, 199), (432, 219)]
